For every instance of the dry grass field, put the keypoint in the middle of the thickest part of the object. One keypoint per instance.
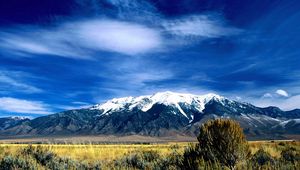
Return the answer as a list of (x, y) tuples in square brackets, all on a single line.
[(99, 139), (108, 152), (92, 152), (274, 148)]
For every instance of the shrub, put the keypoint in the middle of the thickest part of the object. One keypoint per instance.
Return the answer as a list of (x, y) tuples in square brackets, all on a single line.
[(150, 156), (222, 141), (192, 158), (41, 155), (7, 163), (171, 161), (262, 158), (140, 160), (12, 163), (290, 154)]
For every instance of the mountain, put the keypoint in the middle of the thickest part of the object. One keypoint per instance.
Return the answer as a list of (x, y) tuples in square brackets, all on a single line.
[(8, 122), (161, 114)]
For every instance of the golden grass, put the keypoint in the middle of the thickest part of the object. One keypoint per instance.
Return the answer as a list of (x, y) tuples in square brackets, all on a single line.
[(274, 148), (91, 153), (108, 152)]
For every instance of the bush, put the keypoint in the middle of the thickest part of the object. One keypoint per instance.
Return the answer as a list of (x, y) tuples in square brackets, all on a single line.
[(171, 161), (140, 160), (290, 154), (262, 158), (150, 156), (12, 163), (192, 158), (41, 155), (222, 141), (7, 163), (44, 158)]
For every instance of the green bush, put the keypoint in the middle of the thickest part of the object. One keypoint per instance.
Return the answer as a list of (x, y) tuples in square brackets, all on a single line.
[(140, 160), (41, 157), (150, 156), (290, 154), (171, 161), (12, 163), (192, 158), (222, 141), (262, 158)]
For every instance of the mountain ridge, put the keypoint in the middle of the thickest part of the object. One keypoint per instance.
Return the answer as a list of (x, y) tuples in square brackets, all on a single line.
[(161, 114)]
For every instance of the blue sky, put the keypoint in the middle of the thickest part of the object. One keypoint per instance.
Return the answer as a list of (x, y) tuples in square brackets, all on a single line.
[(58, 55)]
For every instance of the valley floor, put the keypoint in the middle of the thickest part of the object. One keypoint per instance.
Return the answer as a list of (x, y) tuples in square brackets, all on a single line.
[(108, 152), (111, 139), (111, 156), (135, 139)]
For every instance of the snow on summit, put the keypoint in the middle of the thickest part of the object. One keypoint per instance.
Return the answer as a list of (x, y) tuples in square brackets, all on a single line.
[(168, 98)]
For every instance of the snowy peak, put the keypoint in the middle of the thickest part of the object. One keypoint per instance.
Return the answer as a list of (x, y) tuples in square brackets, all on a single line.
[(19, 117), (173, 98), (167, 98)]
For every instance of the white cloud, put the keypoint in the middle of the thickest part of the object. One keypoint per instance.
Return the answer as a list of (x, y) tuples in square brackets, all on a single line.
[(67, 107), (12, 83), (282, 93), (9, 104), (83, 39), (80, 103), (134, 82), (290, 103), (116, 36), (140, 78), (200, 26), (280, 98), (267, 95), (79, 39), (238, 98), (74, 105)]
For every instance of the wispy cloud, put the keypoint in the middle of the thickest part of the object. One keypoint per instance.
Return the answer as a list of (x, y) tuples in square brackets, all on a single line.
[(135, 83), (119, 37), (15, 105), (70, 107), (280, 98), (12, 80), (74, 105), (141, 78), (84, 38), (267, 95), (81, 38), (201, 26), (141, 10), (291, 103), (287, 103)]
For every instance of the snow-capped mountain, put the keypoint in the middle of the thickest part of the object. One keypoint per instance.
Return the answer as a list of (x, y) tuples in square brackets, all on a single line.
[(144, 103), (8, 122), (161, 114)]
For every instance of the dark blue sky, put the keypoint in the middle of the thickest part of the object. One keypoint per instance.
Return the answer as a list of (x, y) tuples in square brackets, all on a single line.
[(57, 55)]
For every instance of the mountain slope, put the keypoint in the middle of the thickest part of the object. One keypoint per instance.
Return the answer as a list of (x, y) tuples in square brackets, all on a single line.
[(161, 114), (8, 122)]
